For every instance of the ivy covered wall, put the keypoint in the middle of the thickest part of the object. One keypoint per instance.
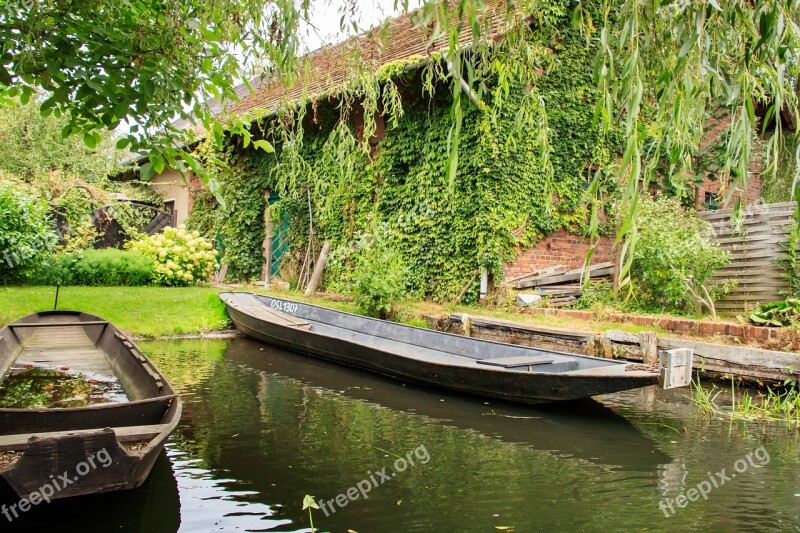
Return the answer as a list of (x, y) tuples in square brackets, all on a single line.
[(508, 191)]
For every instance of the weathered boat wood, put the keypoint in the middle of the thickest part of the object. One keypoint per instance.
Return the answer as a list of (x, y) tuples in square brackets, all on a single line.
[(54, 441), (431, 357)]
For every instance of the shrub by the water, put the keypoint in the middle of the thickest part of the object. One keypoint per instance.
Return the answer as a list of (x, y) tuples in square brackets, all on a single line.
[(179, 257), (675, 255), (108, 267), (380, 275)]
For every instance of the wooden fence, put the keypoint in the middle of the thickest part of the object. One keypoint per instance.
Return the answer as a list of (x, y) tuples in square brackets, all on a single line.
[(755, 245)]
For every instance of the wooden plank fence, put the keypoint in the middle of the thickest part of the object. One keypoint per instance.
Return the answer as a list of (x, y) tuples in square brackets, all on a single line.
[(755, 245)]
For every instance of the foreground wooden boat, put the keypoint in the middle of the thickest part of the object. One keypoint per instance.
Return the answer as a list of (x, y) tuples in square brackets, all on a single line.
[(97, 448), (491, 369)]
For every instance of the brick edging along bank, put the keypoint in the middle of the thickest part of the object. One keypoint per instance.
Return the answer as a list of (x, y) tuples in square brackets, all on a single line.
[(700, 328)]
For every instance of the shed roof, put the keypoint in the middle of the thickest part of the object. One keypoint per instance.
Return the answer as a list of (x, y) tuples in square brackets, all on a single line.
[(327, 69)]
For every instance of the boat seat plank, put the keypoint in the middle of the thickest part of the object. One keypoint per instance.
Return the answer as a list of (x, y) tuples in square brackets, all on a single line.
[(59, 324), (67, 347), (124, 434), (521, 360), (275, 316)]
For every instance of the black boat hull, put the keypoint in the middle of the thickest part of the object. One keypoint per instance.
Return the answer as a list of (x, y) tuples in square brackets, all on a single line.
[(369, 354)]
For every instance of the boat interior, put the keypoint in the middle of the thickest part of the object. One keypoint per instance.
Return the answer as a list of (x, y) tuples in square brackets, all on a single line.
[(86, 346), (413, 342)]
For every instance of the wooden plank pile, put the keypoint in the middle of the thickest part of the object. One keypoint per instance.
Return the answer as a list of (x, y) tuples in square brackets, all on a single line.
[(559, 285)]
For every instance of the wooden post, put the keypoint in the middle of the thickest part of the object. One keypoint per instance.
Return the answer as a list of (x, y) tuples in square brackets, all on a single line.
[(675, 368), (617, 253), (649, 345), (269, 228), (608, 348), (318, 268)]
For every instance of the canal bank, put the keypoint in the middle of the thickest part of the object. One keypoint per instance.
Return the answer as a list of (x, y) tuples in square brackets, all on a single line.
[(716, 359), (197, 312)]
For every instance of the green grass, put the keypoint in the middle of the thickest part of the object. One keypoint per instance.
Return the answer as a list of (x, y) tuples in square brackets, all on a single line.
[(163, 311), (781, 403), (141, 311)]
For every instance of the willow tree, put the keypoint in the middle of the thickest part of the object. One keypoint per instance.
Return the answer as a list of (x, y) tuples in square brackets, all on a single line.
[(662, 68)]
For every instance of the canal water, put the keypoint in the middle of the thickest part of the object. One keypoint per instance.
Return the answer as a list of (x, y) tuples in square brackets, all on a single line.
[(262, 428)]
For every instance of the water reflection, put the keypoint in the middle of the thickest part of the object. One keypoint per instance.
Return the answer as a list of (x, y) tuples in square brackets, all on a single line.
[(583, 429), (262, 428)]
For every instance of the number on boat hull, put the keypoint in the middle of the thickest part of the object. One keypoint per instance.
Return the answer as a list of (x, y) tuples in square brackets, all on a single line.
[(286, 307)]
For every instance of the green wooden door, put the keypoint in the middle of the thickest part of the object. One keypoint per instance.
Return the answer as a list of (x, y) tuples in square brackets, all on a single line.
[(280, 237)]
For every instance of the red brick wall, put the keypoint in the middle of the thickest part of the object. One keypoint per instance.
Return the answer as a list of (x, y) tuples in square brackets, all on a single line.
[(560, 248), (752, 193)]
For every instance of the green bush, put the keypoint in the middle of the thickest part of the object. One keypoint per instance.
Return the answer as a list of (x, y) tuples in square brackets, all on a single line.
[(179, 257), (108, 267), (27, 235), (674, 256), (380, 276)]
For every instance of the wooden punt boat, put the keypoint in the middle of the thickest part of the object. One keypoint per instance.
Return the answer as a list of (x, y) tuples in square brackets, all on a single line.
[(38, 446), (486, 368)]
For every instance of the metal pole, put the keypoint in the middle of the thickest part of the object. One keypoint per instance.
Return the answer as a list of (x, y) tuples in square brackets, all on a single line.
[(55, 306)]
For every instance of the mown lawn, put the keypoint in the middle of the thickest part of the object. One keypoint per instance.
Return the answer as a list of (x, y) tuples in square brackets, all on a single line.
[(141, 311), (162, 311)]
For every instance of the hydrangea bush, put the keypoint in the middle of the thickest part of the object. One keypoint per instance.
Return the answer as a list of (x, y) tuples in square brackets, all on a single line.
[(180, 257)]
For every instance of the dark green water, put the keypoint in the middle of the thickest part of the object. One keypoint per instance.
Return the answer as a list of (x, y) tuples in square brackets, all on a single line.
[(262, 428)]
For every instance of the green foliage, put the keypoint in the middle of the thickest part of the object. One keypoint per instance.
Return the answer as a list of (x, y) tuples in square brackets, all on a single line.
[(597, 297), (674, 256), (179, 257), (789, 262), (32, 146), (777, 314), (661, 70), (27, 235), (777, 187), (108, 267), (142, 62), (664, 68), (781, 402), (503, 194), (379, 276)]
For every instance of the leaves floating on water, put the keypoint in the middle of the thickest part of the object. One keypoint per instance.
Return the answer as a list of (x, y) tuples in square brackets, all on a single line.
[(29, 388)]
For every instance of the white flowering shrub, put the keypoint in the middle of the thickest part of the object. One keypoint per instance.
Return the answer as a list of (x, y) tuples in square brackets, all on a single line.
[(180, 257)]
